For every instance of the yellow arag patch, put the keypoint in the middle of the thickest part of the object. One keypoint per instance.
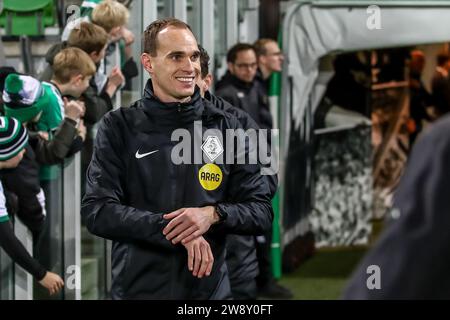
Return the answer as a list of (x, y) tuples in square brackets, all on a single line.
[(210, 176)]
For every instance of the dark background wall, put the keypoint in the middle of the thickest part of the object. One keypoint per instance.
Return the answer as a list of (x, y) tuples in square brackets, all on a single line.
[(269, 18)]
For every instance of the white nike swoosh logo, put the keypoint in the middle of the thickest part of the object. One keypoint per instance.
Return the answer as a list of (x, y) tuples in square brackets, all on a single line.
[(139, 156)]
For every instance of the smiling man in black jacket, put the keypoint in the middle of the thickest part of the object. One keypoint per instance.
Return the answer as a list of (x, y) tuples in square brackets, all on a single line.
[(168, 221)]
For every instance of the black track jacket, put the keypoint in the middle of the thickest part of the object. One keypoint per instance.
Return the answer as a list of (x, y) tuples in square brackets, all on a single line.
[(127, 194)]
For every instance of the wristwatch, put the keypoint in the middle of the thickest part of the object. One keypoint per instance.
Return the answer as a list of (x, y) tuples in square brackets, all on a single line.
[(220, 214)]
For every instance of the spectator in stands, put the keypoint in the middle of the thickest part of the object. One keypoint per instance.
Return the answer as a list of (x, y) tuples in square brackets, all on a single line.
[(348, 88), (92, 39), (440, 84), (87, 6), (13, 139), (56, 119), (23, 182), (28, 100), (43, 103), (420, 100), (112, 16)]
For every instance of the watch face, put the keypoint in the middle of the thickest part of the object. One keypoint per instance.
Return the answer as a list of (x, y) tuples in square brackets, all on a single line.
[(217, 211), (220, 214)]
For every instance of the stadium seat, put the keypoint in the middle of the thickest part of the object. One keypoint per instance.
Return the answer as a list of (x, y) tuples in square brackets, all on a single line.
[(27, 17)]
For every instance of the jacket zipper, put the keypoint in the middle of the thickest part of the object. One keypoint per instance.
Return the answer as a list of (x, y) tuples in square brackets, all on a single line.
[(178, 188)]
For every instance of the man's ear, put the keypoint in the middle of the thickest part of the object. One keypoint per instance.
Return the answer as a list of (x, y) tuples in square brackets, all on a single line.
[(262, 60), (208, 81), (94, 55), (230, 67), (77, 80), (146, 61)]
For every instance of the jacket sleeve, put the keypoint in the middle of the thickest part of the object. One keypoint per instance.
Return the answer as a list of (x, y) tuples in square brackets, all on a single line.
[(55, 150), (18, 253), (248, 209), (130, 69), (226, 94), (76, 146), (97, 105), (23, 183), (12, 245), (104, 206), (248, 123)]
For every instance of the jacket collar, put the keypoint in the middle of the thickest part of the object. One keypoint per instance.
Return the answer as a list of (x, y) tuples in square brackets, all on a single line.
[(264, 82), (208, 95), (172, 113), (236, 82)]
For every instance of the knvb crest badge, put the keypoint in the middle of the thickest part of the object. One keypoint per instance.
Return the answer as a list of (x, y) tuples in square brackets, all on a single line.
[(212, 147)]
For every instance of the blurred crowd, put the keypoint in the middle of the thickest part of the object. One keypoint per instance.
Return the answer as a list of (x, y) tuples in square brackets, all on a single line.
[(47, 120)]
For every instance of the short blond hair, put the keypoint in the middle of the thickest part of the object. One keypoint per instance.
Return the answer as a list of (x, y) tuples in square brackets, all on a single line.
[(260, 46), (88, 37), (110, 14), (71, 62)]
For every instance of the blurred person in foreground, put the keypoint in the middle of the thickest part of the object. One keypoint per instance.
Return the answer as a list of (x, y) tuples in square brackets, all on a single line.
[(412, 258), (421, 100)]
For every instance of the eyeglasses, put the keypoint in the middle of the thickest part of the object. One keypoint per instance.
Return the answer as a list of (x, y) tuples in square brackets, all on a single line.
[(246, 65)]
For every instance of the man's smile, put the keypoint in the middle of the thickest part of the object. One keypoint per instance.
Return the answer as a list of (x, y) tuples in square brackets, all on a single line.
[(186, 80)]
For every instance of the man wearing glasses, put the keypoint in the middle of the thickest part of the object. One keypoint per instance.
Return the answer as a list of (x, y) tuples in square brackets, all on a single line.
[(238, 85)]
